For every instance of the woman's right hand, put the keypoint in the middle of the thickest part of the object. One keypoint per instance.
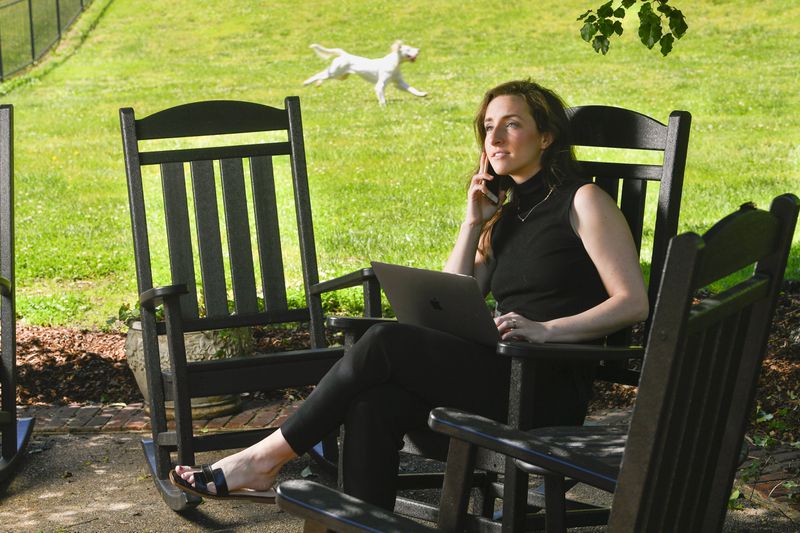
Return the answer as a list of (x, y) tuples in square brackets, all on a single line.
[(479, 207)]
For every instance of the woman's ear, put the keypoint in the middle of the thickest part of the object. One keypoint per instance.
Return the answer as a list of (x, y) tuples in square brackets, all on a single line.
[(547, 140)]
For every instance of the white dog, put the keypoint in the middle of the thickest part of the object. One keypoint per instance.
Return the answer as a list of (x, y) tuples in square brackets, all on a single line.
[(378, 71)]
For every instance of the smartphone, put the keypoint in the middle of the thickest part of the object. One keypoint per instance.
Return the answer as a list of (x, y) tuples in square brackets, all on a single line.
[(495, 185)]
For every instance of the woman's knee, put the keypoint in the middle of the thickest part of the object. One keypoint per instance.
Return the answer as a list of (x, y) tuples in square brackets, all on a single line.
[(386, 334), (374, 354)]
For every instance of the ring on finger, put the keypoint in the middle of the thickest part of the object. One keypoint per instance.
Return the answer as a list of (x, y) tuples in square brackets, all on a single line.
[(513, 323)]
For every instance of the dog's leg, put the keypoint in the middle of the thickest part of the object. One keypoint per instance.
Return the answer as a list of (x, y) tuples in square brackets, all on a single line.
[(406, 87), (380, 89), (317, 78)]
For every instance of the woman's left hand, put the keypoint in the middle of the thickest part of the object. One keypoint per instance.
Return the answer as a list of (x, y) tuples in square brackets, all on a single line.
[(515, 326)]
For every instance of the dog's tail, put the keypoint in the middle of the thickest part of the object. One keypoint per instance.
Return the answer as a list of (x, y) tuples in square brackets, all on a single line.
[(326, 53)]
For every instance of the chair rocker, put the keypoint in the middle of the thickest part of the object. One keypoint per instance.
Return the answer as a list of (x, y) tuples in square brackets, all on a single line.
[(682, 448), (15, 431), (233, 238)]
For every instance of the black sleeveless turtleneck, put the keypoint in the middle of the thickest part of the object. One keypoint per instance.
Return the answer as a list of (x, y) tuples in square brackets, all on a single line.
[(542, 269)]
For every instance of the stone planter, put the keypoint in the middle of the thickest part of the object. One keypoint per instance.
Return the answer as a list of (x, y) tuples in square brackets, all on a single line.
[(200, 346)]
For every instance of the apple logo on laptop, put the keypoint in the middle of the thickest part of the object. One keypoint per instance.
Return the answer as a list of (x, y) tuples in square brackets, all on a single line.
[(435, 304)]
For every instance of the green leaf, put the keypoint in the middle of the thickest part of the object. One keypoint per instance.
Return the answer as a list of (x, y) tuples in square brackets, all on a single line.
[(649, 33), (732, 500), (600, 44), (628, 3), (665, 8), (666, 44), (605, 10), (618, 27), (649, 26), (677, 23), (764, 417), (588, 31), (606, 28), (584, 15), (619, 13)]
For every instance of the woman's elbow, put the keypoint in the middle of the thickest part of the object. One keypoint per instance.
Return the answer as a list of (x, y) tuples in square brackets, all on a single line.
[(639, 308)]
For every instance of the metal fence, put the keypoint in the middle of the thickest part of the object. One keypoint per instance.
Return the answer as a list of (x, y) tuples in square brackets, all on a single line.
[(29, 28)]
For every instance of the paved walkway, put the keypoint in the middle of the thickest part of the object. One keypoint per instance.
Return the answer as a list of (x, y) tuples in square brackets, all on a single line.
[(767, 478)]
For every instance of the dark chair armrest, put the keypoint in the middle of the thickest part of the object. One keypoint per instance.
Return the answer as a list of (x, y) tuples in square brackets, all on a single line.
[(364, 277), (342, 282), (152, 297), (357, 324), (569, 352), (524, 446), (339, 512), (5, 287)]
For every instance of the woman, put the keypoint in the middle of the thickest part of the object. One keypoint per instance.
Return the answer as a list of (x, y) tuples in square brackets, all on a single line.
[(560, 261)]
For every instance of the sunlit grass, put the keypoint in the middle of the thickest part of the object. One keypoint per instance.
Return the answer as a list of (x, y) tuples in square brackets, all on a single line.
[(387, 184)]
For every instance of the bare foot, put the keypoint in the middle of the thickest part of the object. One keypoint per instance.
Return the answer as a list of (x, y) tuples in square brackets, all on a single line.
[(254, 468)]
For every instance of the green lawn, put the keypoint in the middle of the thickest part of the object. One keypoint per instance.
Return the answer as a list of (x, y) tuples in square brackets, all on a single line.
[(387, 184)]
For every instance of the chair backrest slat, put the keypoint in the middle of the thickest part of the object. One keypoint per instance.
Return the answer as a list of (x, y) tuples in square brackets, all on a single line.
[(615, 127), (700, 370), (212, 269), (632, 205), (179, 237), (268, 227), (237, 224), (221, 152), (213, 117), (617, 171)]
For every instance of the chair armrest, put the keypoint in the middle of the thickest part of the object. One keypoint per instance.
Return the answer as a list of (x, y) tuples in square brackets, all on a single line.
[(364, 277), (568, 352), (342, 282), (152, 297), (339, 512), (5, 287), (524, 446), (356, 324), (353, 327)]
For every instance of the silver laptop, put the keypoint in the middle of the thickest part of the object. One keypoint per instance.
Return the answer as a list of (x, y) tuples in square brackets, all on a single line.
[(452, 303)]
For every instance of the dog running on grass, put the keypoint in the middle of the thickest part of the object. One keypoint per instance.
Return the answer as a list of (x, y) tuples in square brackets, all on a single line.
[(378, 71)]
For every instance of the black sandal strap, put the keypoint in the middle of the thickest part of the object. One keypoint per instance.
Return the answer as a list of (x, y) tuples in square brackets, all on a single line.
[(219, 480), (203, 478)]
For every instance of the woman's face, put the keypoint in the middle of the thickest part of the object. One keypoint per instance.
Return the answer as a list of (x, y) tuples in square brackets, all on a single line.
[(513, 142)]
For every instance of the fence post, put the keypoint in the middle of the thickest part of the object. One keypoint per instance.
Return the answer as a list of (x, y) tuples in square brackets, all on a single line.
[(58, 18), (2, 77), (33, 42)]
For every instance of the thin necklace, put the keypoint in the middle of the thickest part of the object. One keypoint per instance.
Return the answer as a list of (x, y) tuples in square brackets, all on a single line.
[(524, 218)]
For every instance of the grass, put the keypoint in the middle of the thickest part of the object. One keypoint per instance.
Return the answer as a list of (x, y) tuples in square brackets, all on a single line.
[(387, 184)]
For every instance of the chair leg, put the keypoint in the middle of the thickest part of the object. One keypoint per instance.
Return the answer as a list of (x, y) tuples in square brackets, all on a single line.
[(484, 501), (515, 498), (457, 485), (555, 504)]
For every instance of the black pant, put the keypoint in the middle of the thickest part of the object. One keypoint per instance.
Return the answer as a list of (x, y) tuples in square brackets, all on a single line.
[(386, 385)]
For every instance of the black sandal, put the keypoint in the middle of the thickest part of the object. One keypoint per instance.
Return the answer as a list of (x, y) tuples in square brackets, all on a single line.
[(204, 474)]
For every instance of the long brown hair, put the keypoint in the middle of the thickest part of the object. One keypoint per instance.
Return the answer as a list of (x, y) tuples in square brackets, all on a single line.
[(549, 113)]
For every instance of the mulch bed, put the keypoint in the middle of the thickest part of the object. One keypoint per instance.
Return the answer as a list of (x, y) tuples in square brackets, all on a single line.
[(66, 365)]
